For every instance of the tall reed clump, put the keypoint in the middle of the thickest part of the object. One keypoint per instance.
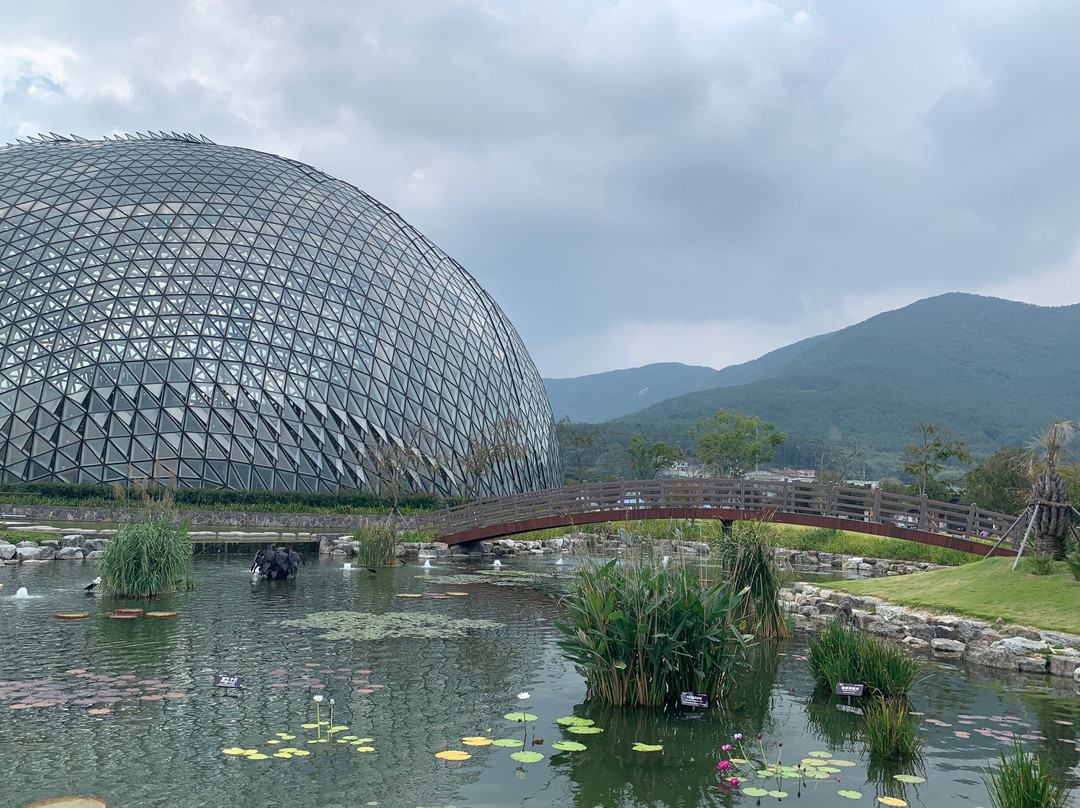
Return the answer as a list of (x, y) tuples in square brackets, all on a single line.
[(1024, 780), (146, 558), (842, 654), (376, 545), (641, 633), (891, 730), (748, 558)]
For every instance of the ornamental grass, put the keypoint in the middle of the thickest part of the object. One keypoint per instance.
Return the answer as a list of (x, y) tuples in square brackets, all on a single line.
[(146, 558), (748, 556), (891, 730), (1024, 780), (843, 654), (376, 545), (641, 633)]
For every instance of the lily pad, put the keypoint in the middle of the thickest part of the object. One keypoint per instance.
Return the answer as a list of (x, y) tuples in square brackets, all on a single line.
[(585, 730), (284, 755), (739, 760), (895, 801), (362, 741), (234, 750), (527, 757), (842, 763), (258, 756), (569, 746), (349, 738), (285, 736), (816, 774), (820, 754), (372, 749), (851, 795), (453, 754), (308, 726), (777, 793), (338, 729), (69, 802), (909, 778), (476, 740), (71, 615), (409, 595), (754, 791), (829, 769), (646, 747), (519, 717), (458, 594), (363, 626), (509, 742), (574, 721), (301, 753)]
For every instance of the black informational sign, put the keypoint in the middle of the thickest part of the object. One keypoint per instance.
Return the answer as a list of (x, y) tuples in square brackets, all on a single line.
[(228, 680), (847, 689), (694, 699)]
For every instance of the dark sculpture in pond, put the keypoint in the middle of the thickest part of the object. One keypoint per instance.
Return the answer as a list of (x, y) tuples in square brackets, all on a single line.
[(276, 563)]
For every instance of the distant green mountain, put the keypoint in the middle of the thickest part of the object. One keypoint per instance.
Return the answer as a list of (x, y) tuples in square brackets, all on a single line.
[(603, 396), (994, 370)]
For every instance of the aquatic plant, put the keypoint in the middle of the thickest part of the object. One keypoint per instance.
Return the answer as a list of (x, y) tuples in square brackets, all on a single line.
[(376, 545), (891, 730), (842, 654), (642, 634), (1023, 780), (393, 625), (747, 554), (146, 558)]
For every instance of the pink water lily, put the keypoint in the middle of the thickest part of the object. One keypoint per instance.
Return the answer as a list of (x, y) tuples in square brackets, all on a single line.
[(724, 765)]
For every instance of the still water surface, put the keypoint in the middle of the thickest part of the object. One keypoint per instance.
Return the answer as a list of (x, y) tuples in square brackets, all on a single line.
[(160, 742)]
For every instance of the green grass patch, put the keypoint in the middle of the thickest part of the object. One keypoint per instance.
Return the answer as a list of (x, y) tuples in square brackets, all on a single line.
[(986, 590), (16, 536), (847, 542)]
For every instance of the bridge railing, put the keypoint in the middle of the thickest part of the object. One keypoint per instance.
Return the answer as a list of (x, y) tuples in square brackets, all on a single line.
[(622, 498)]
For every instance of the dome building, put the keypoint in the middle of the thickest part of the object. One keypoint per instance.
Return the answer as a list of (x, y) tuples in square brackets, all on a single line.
[(172, 309)]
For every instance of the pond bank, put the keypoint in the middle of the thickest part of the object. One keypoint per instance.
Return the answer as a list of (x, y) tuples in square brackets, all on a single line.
[(946, 638)]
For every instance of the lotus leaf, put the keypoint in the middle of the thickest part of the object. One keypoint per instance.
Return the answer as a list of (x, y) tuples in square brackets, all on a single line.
[(851, 795), (527, 757), (453, 754), (394, 625), (569, 746), (754, 791), (909, 778), (896, 801), (646, 747), (519, 717), (507, 742), (574, 721), (584, 730)]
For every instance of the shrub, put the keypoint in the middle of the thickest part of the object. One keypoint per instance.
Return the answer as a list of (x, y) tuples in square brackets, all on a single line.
[(641, 634), (1041, 564), (146, 558), (891, 730), (1073, 561), (376, 545), (1023, 780), (842, 654), (747, 556)]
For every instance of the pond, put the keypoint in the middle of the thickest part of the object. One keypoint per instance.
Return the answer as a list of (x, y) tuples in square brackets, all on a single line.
[(126, 709)]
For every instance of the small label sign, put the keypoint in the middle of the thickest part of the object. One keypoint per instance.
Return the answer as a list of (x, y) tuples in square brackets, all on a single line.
[(847, 689), (694, 699), (228, 680)]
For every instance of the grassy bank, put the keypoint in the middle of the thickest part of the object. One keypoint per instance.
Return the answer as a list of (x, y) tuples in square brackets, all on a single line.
[(791, 536), (986, 590)]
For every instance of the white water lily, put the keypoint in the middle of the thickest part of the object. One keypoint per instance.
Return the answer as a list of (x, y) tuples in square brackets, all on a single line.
[(317, 699), (523, 696)]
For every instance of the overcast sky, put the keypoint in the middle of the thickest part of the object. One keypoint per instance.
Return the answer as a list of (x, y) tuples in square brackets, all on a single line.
[(696, 180)]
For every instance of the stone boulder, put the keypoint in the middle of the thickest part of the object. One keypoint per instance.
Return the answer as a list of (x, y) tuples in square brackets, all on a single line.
[(945, 647), (7, 551), (95, 545), (1020, 645), (31, 553), (69, 554), (73, 541)]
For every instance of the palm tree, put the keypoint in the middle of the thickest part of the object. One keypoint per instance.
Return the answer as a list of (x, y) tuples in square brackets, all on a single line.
[(1049, 494)]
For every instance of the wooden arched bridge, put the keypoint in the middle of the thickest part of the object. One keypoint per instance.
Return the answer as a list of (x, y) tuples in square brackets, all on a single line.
[(944, 524)]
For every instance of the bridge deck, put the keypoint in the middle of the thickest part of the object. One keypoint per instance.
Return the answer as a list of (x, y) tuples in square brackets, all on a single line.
[(943, 524)]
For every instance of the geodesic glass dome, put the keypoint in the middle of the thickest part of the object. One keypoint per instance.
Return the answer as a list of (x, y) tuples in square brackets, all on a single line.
[(175, 309)]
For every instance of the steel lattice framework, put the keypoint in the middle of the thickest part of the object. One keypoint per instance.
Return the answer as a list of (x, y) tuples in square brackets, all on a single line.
[(174, 308)]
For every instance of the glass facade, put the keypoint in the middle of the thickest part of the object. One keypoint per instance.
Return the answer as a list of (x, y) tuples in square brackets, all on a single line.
[(175, 309)]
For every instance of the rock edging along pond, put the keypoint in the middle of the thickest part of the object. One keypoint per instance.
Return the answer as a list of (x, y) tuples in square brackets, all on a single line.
[(945, 637)]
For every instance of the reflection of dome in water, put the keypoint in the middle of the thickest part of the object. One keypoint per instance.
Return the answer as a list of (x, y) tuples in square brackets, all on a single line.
[(170, 307)]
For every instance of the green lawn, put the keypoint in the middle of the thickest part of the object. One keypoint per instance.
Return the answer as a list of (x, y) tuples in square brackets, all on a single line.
[(987, 590)]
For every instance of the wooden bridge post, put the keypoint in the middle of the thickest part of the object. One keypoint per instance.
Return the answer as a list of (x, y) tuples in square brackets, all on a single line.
[(970, 531), (875, 513), (922, 513)]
